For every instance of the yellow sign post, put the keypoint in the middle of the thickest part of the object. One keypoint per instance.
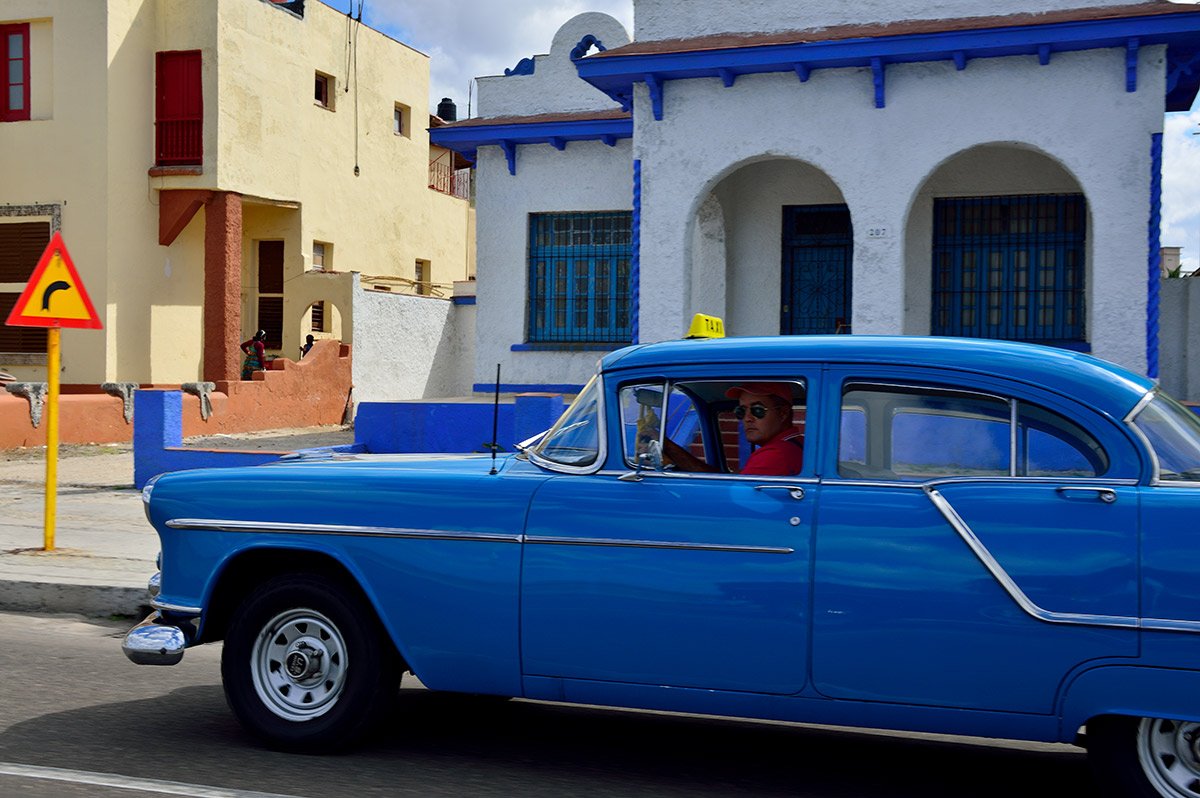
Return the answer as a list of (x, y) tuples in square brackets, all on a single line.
[(53, 298)]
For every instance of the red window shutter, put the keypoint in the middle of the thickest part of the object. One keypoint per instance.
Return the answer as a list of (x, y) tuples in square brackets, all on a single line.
[(14, 72), (179, 109)]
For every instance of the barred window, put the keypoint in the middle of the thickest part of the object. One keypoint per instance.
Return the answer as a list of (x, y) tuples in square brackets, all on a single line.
[(579, 270), (1010, 267)]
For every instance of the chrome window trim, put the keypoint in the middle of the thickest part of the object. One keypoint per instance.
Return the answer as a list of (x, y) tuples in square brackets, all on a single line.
[(1025, 603), (1130, 419), (718, 477), (601, 435), (268, 527), (655, 544)]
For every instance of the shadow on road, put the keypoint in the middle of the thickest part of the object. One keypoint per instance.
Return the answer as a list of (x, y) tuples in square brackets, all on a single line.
[(438, 745)]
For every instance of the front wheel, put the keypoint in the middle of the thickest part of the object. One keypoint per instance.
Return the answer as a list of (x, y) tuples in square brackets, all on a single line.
[(306, 665), (1146, 757)]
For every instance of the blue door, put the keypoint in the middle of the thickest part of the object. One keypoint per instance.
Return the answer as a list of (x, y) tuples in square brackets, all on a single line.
[(817, 248), (677, 580), (948, 521)]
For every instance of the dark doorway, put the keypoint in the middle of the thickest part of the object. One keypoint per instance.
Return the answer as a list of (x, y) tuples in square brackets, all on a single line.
[(817, 248)]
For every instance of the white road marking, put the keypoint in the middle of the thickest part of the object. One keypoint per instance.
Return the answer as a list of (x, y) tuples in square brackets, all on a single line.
[(128, 782)]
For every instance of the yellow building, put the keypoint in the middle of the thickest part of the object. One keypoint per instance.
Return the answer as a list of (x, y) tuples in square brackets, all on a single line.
[(209, 164)]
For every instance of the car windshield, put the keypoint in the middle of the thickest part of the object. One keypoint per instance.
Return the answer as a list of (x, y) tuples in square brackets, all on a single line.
[(1174, 433), (575, 439)]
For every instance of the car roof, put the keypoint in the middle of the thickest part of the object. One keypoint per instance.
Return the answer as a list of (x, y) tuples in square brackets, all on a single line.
[(1105, 386)]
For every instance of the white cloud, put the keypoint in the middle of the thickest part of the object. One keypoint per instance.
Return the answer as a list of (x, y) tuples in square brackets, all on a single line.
[(1181, 185), (466, 39)]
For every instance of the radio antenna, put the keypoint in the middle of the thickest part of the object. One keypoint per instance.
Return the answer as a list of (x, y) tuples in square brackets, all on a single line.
[(495, 419)]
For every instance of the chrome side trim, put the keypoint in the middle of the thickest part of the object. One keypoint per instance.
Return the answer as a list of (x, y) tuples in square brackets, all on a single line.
[(217, 525), (1131, 422), (178, 609), (1014, 591), (656, 544)]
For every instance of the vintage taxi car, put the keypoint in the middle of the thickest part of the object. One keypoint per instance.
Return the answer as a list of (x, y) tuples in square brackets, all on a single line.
[(984, 538)]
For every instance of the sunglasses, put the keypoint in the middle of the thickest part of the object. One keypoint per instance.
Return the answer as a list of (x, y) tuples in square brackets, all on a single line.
[(758, 410)]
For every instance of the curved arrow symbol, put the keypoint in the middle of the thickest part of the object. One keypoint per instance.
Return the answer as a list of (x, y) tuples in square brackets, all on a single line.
[(57, 285)]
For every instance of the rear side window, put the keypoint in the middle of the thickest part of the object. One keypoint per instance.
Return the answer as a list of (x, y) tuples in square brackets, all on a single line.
[(917, 433)]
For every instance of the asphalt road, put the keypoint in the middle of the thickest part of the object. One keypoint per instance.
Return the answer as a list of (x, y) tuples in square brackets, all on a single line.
[(77, 719)]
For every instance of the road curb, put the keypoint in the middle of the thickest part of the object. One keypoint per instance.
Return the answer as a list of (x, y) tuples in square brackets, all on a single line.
[(96, 601)]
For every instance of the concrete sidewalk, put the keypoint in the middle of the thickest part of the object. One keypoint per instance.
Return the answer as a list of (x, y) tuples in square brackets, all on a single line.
[(104, 547)]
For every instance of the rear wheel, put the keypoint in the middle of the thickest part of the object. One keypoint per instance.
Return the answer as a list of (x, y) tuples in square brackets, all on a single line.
[(1146, 757), (306, 665)]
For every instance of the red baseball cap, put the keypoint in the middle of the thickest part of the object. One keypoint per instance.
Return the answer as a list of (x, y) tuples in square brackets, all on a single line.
[(781, 389)]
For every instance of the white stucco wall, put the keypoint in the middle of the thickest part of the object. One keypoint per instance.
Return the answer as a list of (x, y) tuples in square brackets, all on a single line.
[(671, 19), (1075, 110), (408, 347), (554, 85), (586, 176)]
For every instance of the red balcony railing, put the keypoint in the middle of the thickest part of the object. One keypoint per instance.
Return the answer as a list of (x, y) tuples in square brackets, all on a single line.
[(179, 142), (447, 180)]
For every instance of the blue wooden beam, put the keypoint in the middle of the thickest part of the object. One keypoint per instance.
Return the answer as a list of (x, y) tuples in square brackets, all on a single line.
[(960, 60), (802, 72), (877, 75), (728, 76), (558, 143), (656, 96), (1043, 54), (1131, 61), (510, 154), (609, 140)]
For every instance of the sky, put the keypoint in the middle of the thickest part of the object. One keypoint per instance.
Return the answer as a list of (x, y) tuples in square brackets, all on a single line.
[(473, 38)]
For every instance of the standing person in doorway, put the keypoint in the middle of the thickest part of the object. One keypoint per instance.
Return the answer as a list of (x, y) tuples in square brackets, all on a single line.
[(308, 344), (256, 355)]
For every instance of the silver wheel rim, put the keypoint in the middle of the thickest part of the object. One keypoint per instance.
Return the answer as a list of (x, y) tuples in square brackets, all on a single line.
[(298, 665), (1169, 753)]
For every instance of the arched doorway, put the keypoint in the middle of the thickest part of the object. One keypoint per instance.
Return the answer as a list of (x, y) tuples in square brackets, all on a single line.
[(773, 245)]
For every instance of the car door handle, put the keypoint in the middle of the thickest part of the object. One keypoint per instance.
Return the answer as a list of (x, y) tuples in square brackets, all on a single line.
[(1106, 495), (795, 491)]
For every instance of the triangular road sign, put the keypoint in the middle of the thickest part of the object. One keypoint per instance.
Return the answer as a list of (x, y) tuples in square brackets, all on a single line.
[(54, 295)]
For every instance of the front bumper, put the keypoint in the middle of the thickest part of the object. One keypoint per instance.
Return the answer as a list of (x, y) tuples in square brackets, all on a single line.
[(154, 642)]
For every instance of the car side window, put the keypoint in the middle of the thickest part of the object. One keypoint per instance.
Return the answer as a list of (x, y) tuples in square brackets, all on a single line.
[(919, 433), (1049, 445), (642, 414), (898, 432)]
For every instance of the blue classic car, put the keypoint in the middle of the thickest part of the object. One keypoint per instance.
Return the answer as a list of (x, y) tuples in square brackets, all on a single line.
[(977, 537)]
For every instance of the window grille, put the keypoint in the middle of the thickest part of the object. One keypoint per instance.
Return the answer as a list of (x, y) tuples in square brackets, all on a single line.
[(579, 277), (1010, 267)]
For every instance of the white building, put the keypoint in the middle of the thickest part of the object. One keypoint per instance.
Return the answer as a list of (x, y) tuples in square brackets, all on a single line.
[(877, 167)]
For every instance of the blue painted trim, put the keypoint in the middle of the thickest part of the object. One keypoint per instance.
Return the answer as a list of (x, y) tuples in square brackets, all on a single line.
[(1131, 64), (462, 300), (802, 71), (1154, 263), (567, 347), (468, 138), (512, 387), (524, 67), (960, 60), (510, 155), (635, 266), (585, 45), (728, 76), (877, 78), (656, 95), (615, 74)]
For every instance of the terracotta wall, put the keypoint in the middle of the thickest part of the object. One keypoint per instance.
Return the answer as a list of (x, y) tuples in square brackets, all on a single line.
[(307, 393)]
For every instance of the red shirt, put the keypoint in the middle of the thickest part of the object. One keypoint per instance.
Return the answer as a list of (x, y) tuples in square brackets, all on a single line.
[(782, 456)]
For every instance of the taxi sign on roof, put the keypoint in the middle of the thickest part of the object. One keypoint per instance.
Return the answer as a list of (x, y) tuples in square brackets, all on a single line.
[(706, 327), (54, 295)]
